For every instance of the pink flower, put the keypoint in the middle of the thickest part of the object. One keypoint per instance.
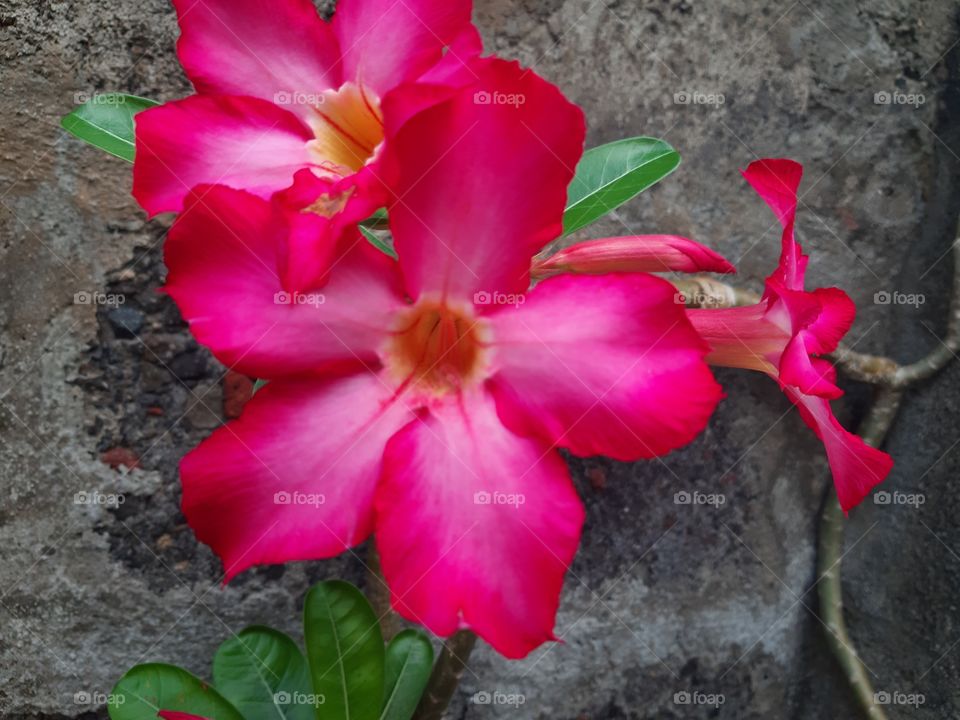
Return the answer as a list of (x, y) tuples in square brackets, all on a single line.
[(784, 333), (424, 400), (280, 90)]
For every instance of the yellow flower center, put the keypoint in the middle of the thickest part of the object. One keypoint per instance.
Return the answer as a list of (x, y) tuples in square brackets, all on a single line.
[(437, 348), (348, 129)]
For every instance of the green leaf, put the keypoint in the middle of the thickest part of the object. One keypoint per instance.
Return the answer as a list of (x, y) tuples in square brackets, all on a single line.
[(264, 674), (345, 650), (611, 174), (379, 244), (147, 689), (379, 219), (106, 122), (409, 661), (259, 384)]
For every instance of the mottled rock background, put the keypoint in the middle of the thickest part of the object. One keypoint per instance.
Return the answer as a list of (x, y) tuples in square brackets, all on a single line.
[(662, 598)]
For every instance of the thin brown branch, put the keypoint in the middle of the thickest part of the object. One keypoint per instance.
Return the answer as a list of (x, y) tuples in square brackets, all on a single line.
[(873, 430), (379, 595), (446, 676)]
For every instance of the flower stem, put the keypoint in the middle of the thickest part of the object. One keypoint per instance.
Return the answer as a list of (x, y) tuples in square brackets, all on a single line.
[(873, 430), (446, 675)]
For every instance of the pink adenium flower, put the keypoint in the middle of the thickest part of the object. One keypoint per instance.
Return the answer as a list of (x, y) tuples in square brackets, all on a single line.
[(279, 90), (425, 400), (784, 333)]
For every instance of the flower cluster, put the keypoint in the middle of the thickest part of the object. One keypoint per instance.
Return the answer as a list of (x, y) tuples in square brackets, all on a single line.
[(406, 391)]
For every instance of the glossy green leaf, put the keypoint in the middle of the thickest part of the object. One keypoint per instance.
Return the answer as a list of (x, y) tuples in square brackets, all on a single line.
[(379, 219), (409, 661), (264, 675), (611, 174), (106, 122), (147, 689), (259, 384), (345, 650), (378, 243)]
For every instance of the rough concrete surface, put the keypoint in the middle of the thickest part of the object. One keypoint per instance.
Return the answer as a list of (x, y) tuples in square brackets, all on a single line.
[(662, 598)]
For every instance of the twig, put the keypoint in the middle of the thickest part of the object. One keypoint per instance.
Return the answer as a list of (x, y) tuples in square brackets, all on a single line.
[(445, 676), (883, 371), (379, 595), (873, 430)]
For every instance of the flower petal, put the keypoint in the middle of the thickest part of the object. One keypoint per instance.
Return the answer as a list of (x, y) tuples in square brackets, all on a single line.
[(226, 254), (637, 253), (388, 42), (269, 50), (777, 181), (476, 527), (294, 477), (480, 182), (602, 365), (242, 142), (857, 467)]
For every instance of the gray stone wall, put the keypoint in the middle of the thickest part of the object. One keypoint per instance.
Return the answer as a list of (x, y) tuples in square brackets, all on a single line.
[(662, 597)]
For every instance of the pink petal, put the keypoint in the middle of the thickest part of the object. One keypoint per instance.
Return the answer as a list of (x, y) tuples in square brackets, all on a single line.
[(797, 368), (638, 253), (294, 477), (237, 141), (837, 313), (741, 337), (480, 186), (602, 365), (857, 467), (777, 182), (251, 47), (226, 254), (388, 42), (476, 526)]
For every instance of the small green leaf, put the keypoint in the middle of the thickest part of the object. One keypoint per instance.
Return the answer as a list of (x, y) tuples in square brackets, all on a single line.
[(106, 122), (345, 650), (264, 674), (147, 689), (259, 384), (379, 244), (409, 661), (379, 219), (611, 174)]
